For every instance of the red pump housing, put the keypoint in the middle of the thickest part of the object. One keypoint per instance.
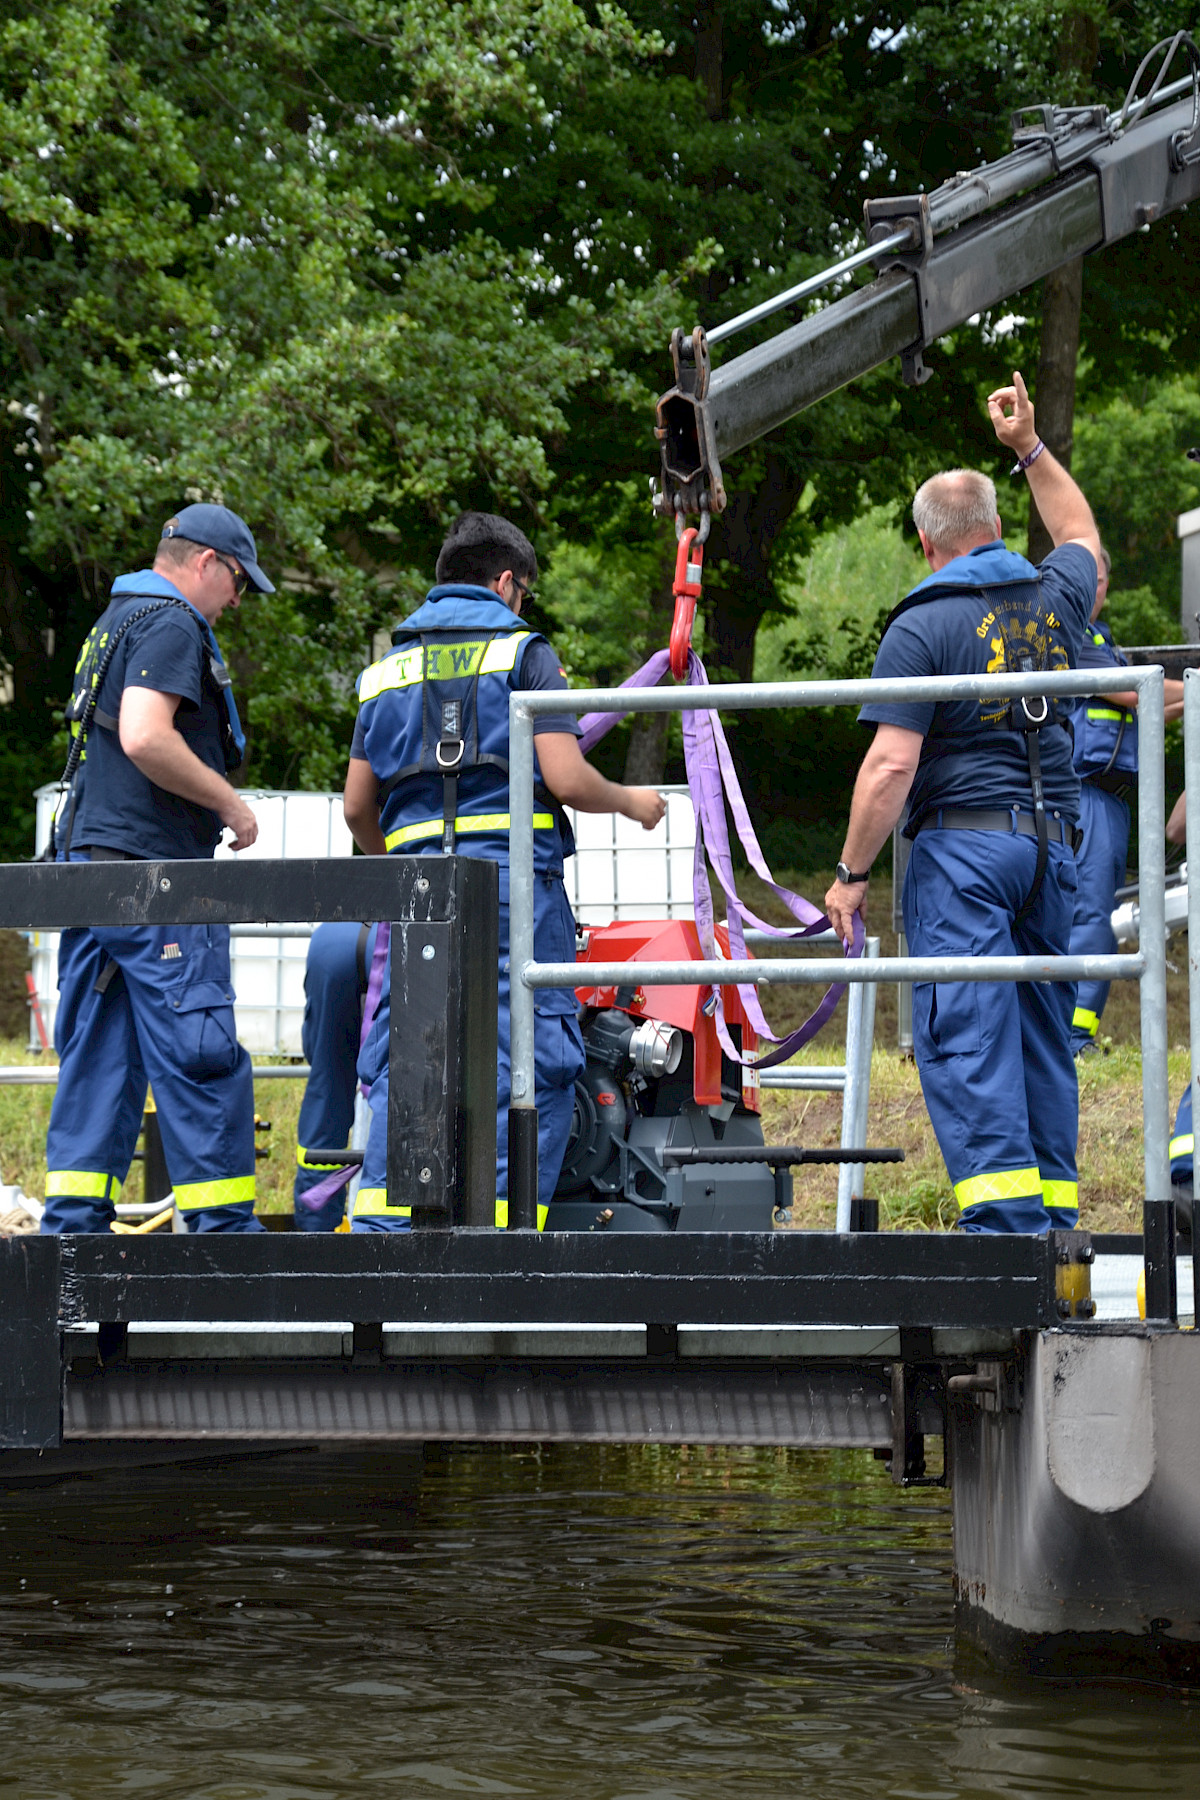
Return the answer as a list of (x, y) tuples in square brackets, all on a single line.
[(672, 940)]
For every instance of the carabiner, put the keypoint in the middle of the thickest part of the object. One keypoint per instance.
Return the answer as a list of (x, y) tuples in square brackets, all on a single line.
[(689, 573)]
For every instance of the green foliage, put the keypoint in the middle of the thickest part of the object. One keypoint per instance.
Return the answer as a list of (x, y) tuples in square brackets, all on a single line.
[(351, 269), (1129, 459), (1138, 616)]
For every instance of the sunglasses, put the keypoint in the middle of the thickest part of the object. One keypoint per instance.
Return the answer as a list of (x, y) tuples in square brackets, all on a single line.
[(526, 592), (239, 576)]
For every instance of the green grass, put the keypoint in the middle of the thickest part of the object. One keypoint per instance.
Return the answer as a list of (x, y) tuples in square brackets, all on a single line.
[(25, 1115)]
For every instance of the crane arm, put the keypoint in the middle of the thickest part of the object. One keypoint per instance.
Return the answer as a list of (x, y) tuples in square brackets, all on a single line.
[(1076, 180)]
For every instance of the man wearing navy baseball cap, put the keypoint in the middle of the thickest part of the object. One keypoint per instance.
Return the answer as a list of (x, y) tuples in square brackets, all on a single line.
[(157, 735)]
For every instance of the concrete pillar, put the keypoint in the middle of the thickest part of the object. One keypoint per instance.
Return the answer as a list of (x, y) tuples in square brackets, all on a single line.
[(1076, 1488), (1189, 532)]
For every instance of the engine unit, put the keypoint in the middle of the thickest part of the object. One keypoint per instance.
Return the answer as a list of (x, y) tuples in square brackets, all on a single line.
[(656, 1079)]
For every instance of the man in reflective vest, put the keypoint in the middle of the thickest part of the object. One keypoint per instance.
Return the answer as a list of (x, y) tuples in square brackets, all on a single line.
[(428, 775), (140, 1002), (1106, 761), (985, 878)]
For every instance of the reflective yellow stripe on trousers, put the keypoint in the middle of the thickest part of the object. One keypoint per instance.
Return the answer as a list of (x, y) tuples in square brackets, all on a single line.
[(1005, 1184), (427, 828), (1060, 1193), (372, 1204), (1180, 1146), (1083, 1020), (192, 1196), (83, 1184)]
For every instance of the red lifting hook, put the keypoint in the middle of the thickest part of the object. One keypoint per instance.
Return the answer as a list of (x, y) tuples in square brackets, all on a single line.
[(689, 572)]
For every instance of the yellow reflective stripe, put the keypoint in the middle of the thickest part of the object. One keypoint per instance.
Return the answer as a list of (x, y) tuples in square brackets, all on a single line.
[(441, 662), (191, 1196), (1085, 1020), (83, 1184), (1180, 1146), (1005, 1184), (1104, 712), (1060, 1193), (466, 822), (372, 1203), (302, 1157), (543, 1213)]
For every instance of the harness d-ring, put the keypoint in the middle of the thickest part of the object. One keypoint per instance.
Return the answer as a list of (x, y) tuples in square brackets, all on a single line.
[(689, 573)]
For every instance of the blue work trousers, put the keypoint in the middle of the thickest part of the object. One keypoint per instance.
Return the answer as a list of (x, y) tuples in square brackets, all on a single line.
[(335, 979), (1100, 867), (559, 1059), (1181, 1139), (995, 1058), (140, 1002)]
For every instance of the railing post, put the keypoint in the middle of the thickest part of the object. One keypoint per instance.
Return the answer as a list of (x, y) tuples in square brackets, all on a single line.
[(522, 1116), (1191, 773), (1159, 1213), (860, 1037), (441, 1141)]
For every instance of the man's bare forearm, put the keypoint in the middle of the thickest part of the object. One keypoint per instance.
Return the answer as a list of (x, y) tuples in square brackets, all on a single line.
[(879, 796), (170, 765)]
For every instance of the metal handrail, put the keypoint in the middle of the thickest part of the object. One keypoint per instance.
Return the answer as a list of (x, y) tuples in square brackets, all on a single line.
[(1148, 967)]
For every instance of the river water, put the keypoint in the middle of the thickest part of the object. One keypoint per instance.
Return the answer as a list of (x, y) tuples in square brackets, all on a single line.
[(577, 1623)]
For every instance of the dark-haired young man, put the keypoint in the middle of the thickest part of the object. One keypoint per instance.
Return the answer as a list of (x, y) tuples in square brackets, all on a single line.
[(141, 1002), (465, 649)]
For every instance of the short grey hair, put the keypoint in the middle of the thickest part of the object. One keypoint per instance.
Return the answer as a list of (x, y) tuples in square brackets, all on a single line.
[(956, 509), (1106, 559)]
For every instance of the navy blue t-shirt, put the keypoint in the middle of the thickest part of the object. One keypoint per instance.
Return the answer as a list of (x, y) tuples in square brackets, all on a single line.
[(120, 808), (969, 758)]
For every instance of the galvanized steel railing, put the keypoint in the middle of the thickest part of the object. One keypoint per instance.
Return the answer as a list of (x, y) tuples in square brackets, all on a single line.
[(1148, 966)]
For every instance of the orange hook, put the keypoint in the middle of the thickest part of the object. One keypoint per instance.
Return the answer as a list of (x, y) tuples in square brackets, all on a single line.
[(689, 573)]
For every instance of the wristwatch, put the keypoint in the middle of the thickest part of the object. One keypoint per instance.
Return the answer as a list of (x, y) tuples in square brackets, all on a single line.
[(847, 877)]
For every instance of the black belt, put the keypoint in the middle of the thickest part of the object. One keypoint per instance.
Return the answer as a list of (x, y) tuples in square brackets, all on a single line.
[(99, 853), (1110, 782), (955, 818)]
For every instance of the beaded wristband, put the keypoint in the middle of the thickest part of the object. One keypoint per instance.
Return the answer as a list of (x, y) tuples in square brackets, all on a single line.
[(1031, 458)]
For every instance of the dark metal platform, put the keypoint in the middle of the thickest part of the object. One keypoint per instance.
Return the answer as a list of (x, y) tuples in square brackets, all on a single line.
[(489, 1334)]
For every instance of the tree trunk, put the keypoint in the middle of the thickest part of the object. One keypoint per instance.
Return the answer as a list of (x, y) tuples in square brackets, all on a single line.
[(743, 545), (1054, 394)]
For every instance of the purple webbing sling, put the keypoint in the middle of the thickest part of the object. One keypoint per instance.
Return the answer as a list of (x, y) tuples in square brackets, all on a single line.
[(316, 1197), (713, 780)]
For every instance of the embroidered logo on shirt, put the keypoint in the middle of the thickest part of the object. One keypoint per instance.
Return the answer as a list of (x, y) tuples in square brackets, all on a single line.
[(169, 951)]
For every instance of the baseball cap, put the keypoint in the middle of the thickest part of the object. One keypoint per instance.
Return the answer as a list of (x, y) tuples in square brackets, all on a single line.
[(219, 529)]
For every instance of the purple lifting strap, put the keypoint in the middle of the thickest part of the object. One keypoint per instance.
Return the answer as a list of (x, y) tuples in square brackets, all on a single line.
[(713, 780), (316, 1197)]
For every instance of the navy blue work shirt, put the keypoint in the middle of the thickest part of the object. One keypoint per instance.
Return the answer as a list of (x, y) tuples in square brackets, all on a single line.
[(968, 758), (120, 808)]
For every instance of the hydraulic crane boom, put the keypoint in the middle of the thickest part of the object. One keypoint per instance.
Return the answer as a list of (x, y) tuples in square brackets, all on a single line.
[(1077, 179)]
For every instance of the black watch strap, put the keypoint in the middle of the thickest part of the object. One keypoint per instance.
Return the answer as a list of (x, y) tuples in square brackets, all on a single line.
[(847, 876)]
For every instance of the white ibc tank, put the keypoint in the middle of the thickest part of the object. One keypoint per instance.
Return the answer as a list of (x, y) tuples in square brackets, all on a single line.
[(619, 871), (268, 970)]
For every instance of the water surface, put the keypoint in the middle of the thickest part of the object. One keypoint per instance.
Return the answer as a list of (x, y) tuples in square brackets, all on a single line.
[(615, 1624)]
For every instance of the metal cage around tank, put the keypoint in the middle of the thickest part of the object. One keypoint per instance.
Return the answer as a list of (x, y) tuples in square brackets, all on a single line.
[(1147, 966)]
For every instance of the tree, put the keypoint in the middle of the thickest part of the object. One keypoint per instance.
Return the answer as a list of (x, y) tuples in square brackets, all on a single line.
[(213, 285)]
